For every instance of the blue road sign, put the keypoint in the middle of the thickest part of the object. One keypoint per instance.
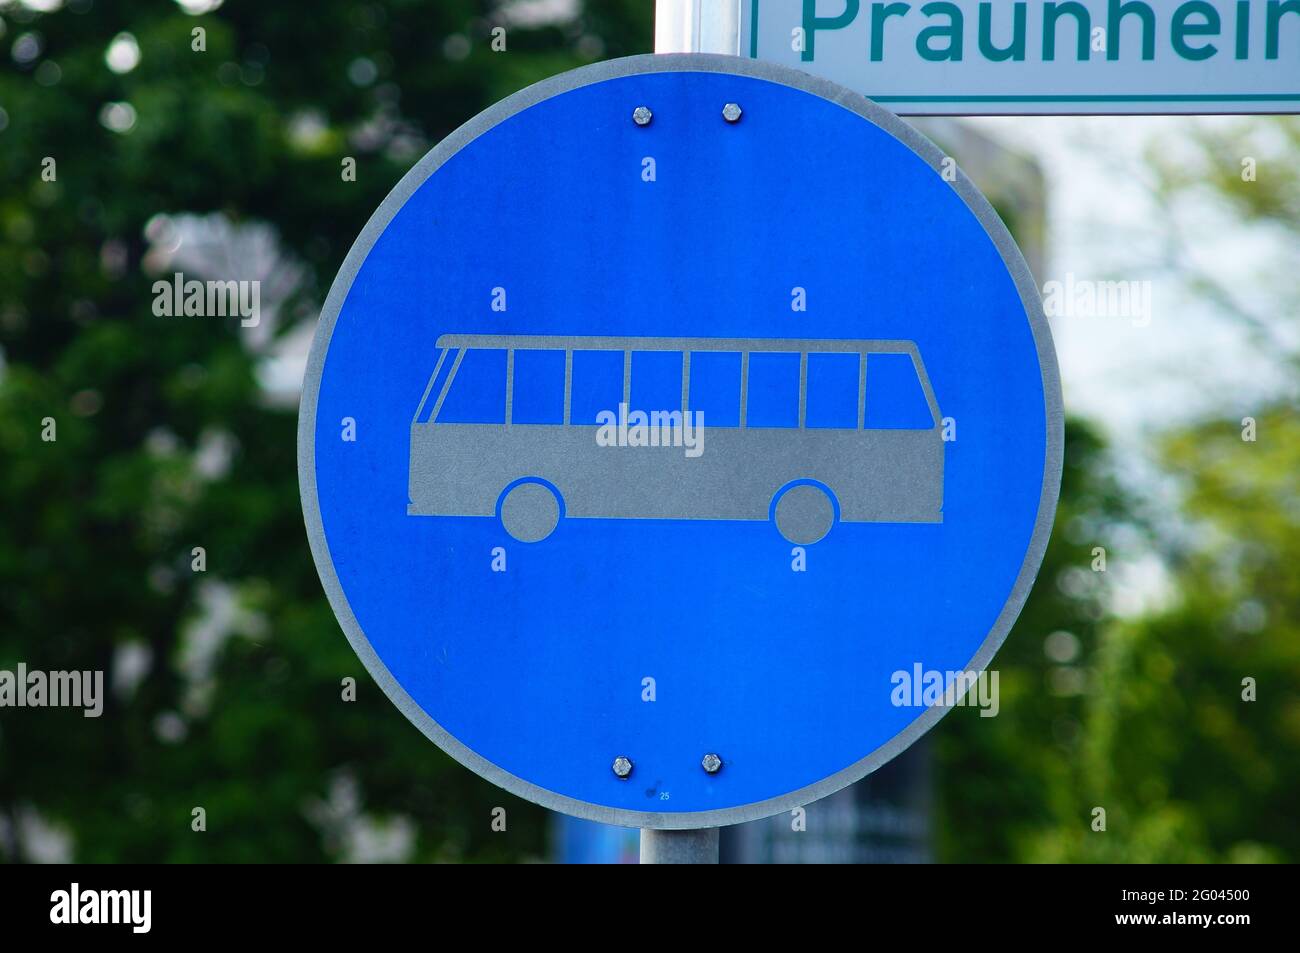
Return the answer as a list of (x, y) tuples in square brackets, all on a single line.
[(672, 430)]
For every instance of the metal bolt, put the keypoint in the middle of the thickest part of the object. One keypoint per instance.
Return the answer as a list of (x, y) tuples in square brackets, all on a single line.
[(622, 766), (731, 112), (711, 763), (642, 115)]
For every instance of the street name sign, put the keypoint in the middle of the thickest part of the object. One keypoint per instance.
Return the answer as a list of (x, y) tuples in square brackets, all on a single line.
[(680, 438), (1086, 56)]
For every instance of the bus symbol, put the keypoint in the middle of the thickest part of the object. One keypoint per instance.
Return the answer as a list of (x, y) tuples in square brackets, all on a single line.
[(802, 432)]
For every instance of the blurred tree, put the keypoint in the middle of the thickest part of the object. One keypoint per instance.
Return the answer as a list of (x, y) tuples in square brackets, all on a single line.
[(227, 684), (1146, 716), (1003, 780), (1192, 738), (1192, 733)]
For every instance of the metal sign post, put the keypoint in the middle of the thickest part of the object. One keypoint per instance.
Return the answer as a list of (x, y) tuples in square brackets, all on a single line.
[(679, 847), (691, 26), (698, 26)]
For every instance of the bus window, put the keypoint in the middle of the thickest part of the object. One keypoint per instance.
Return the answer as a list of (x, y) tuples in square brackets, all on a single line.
[(773, 390), (538, 396), (715, 387), (832, 394), (478, 391), (895, 400), (597, 385), (445, 362), (656, 380)]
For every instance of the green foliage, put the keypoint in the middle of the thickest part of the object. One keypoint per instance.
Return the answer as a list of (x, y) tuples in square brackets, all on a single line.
[(1189, 769), (1004, 779), (1150, 720)]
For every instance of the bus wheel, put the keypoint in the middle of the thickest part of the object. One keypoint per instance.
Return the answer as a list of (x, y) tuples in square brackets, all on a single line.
[(529, 511), (804, 513)]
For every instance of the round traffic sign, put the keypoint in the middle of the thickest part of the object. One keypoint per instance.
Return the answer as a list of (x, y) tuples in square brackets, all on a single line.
[(667, 428)]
